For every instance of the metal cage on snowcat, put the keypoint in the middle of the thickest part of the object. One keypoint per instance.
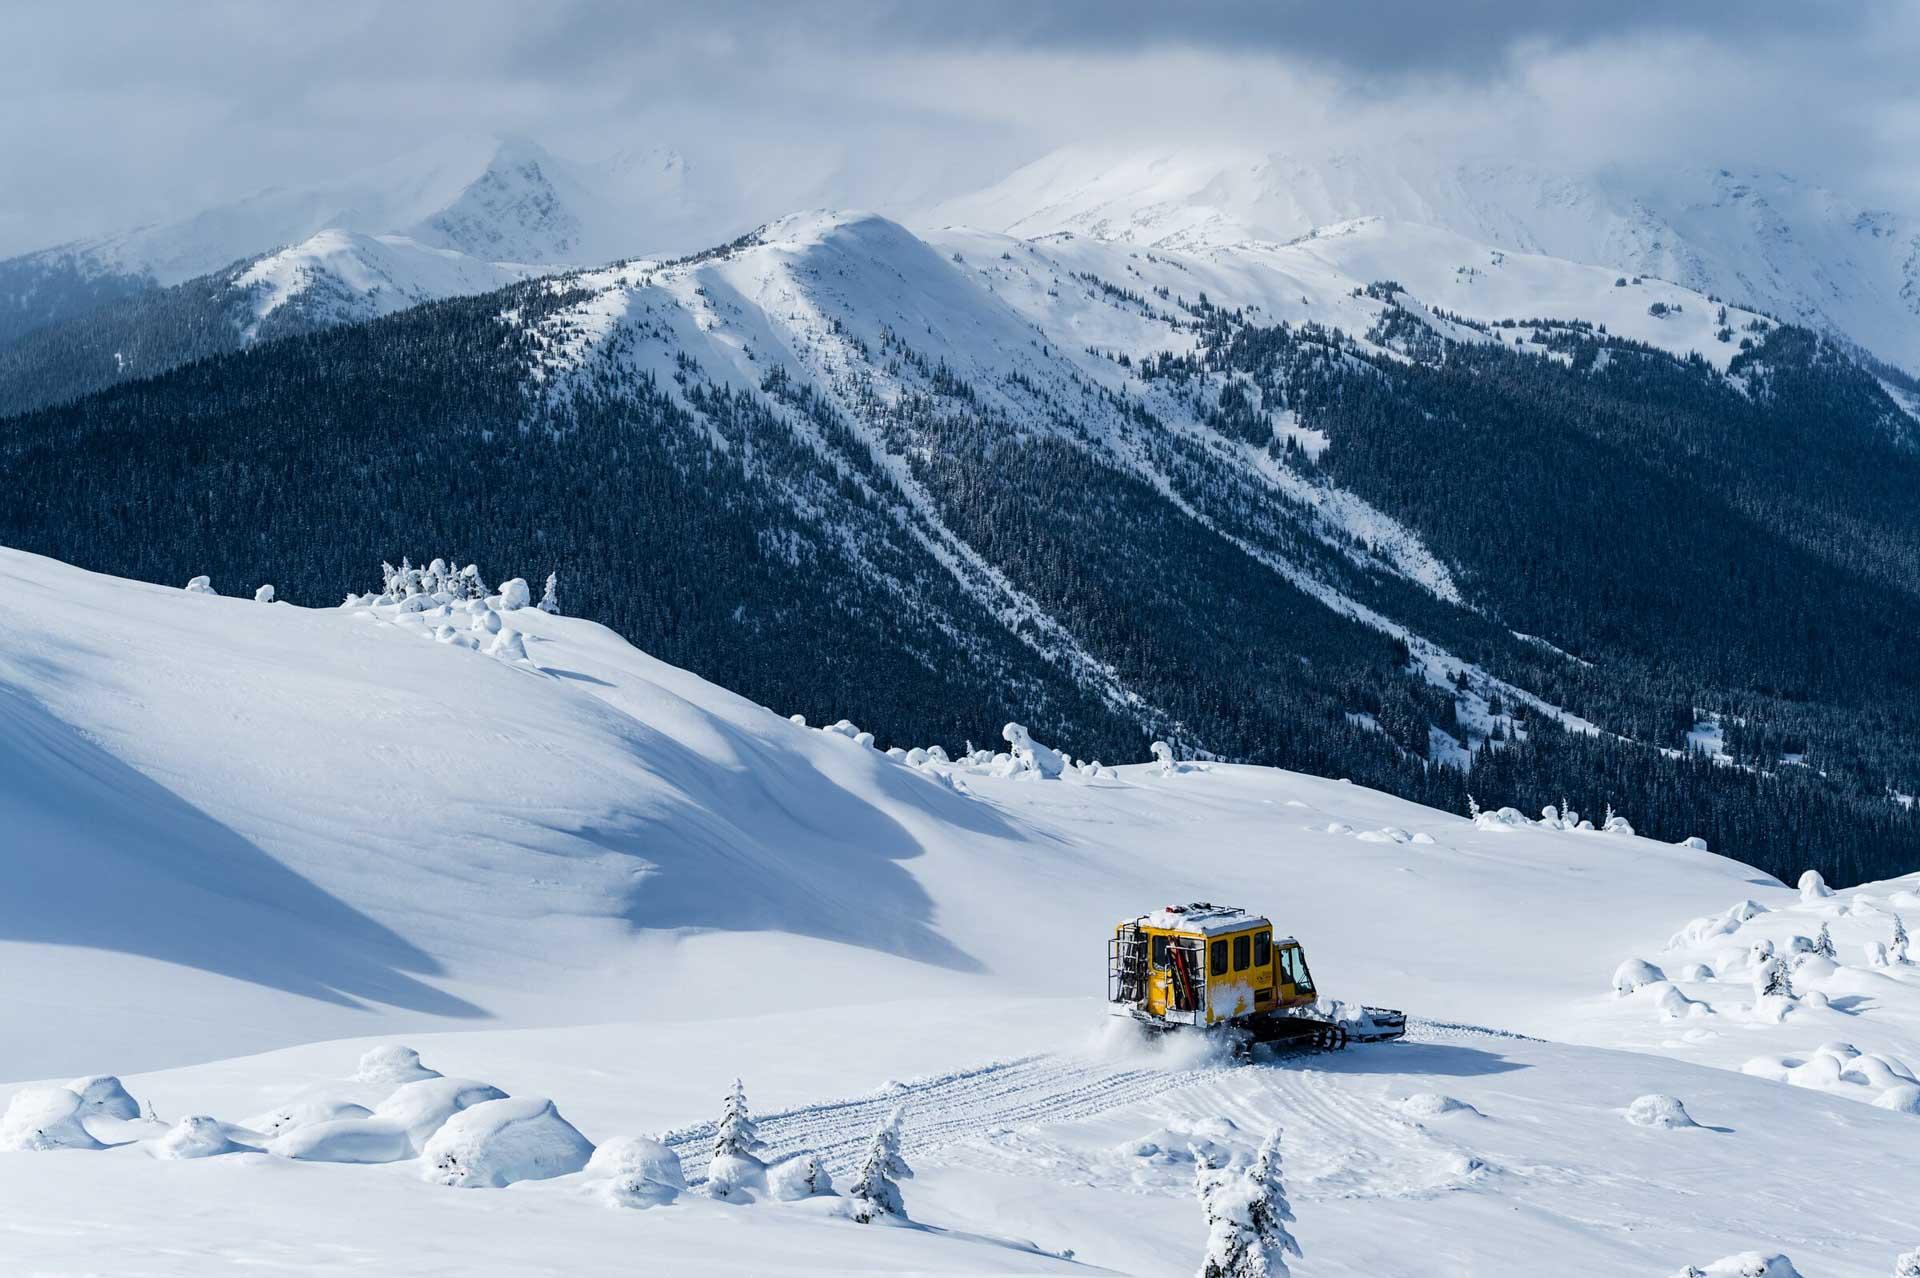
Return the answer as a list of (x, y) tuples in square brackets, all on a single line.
[(1211, 967)]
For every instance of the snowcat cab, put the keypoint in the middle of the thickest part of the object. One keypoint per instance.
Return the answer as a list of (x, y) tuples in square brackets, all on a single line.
[(1214, 968)]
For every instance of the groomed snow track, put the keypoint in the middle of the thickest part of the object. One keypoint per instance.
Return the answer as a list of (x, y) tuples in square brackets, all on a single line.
[(947, 1108)]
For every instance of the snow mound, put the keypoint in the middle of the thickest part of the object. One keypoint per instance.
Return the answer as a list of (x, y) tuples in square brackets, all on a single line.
[(301, 1113), (1813, 886), (801, 1176), (422, 1107), (201, 586), (43, 1118), (636, 1171), (344, 1140), (1656, 1110), (514, 594), (736, 1178), (105, 1096), (1902, 1098), (1748, 1264), (499, 1142), (1033, 757), (392, 1063), (1635, 974), (199, 1136), (1434, 1105)]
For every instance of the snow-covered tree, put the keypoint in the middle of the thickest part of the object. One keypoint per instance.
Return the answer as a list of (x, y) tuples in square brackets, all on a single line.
[(550, 598), (472, 584), (1773, 979), (1247, 1217), (736, 1168), (736, 1135), (264, 594), (1823, 944), (1907, 1266), (1473, 808), (1898, 950), (877, 1192)]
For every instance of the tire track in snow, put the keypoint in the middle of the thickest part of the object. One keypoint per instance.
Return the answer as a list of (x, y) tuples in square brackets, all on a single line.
[(948, 1108)]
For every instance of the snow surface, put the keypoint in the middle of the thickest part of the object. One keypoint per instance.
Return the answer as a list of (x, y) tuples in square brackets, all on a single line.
[(1763, 240), (265, 868)]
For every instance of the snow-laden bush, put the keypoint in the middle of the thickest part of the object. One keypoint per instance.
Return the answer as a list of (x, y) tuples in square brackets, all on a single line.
[(844, 728), (1163, 757), (638, 1172), (1813, 886), (200, 586), (514, 594), (1657, 1110), (1500, 819), (1033, 757), (1907, 1265), (508, 646), (264, 594), (801, 1176), (1695, 843), (198, 1136), (1635, 974), (498, 1142), (392, 1063), (44, 1118), (1748, 1264)]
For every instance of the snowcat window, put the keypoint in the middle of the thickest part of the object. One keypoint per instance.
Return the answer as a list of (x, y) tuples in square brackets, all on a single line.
[(1217, 963), (1296, 965), (1262, 948), (1242, 952), (1160, 952)]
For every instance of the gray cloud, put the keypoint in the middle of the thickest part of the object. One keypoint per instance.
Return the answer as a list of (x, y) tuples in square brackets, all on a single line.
[(113, 113)]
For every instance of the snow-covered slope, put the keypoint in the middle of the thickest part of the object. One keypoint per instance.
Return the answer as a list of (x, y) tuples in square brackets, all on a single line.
[(232, 826), (342, 277), (1794, 249)]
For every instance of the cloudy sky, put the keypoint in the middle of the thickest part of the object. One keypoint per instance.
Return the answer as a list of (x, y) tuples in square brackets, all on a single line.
[(116, 113)]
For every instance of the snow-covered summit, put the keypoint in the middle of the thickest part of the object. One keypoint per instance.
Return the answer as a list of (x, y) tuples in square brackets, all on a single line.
[(1792, 248)]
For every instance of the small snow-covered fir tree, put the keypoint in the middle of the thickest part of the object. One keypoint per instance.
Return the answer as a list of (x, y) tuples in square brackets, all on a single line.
[(472, 584), (1907, 1266), (1247, 1217), (1774, 979), (550, 598), (1898, 950), (877, 1192), (736, 1135), (1473, 808), (1823, 944)]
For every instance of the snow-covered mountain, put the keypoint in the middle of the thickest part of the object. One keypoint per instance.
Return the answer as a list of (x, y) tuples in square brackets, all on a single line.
[(1797, 250), (236, 830), (481, 205)]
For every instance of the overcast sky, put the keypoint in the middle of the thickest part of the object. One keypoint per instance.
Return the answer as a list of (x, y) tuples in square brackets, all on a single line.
[(117, 113)]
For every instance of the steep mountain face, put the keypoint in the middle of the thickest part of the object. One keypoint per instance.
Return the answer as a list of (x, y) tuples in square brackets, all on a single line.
[(1794, 249), (1383, 503)]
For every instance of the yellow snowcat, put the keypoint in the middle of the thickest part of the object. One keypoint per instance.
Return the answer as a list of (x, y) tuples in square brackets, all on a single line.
[(1217, 969)]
